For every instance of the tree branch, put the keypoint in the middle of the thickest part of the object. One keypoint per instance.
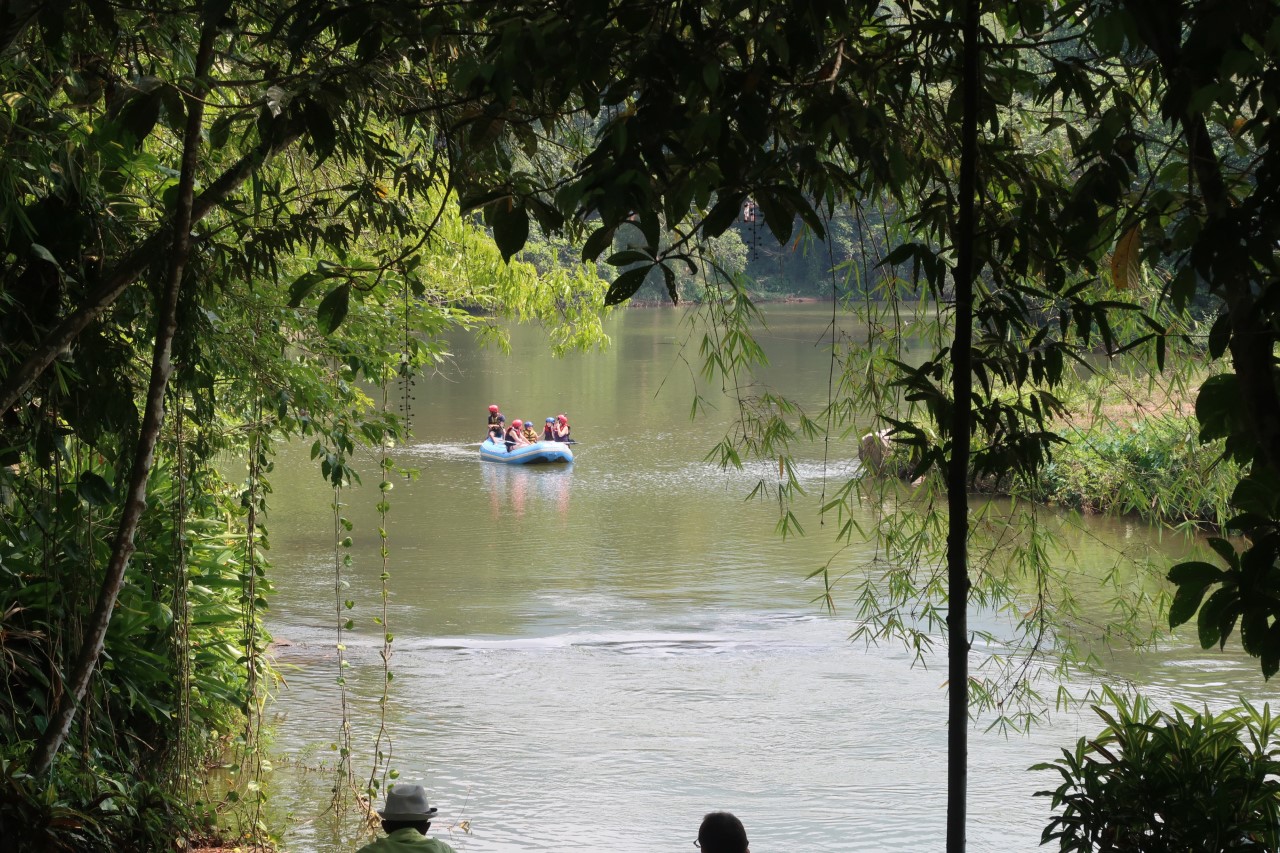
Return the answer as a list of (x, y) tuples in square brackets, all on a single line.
[(118, 279)]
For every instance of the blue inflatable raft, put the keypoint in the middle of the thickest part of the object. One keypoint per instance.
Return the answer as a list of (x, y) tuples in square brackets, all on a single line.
[(530, 454)]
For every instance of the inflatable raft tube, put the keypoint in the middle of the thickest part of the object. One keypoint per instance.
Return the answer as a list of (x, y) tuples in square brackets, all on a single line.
[(530, 454)]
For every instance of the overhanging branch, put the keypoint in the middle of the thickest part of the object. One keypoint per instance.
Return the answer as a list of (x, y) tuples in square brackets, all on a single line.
[(118, 279)]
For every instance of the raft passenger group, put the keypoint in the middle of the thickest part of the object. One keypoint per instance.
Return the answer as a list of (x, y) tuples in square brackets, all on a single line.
[(521, 432)]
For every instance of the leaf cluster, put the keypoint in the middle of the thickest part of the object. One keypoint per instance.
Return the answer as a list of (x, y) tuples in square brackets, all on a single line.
[(1157, 781)]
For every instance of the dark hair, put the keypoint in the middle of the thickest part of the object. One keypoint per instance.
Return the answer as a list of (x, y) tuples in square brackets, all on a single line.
[(721, 832), (390, 826)]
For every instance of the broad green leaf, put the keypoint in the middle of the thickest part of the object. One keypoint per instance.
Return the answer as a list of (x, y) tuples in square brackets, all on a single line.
[(175, 111), (333, 309), (1194, 573), (1256, 494), (1212, 614), (43, 254), (1223, 549), (1186, 601), (1253, 631), (302, 287), (778, 215), (628, 256), (320, 128), (625, 285), (94, 490), (599, 240), (723, 214), (1219, 335), (139, 116), (1218, 407), (510, 227), (672, 290)]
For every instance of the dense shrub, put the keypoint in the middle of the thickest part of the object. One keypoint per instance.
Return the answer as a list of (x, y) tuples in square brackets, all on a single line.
[(1156, 468), (1155, 782), (174, 684)]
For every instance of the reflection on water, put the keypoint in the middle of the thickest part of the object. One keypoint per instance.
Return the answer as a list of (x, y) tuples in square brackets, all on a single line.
[(512, 487), (590, 658)]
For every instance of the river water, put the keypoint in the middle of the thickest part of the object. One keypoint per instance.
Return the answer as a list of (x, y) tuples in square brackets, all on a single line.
[(590, 658)]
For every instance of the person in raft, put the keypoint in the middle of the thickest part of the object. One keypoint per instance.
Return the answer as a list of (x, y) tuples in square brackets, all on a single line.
[(406, 819), (530, 434), (561, 429), (721, 832), (498, 428), (515, 435), (549, 431), (494, 415)]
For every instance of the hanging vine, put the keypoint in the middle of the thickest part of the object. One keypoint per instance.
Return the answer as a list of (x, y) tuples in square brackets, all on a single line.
[(382, 745), (406, 362), (381, 770), (335, 470), (254, 502)]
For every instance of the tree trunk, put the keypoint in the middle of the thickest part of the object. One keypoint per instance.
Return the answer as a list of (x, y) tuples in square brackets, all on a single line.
[(958, 464), (161, 368), (1252, 344)]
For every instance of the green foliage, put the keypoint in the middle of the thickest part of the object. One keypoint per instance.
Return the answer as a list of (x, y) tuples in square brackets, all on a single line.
[(326, 224), (328, 252), (1157, 782), (173, 681), (87, 808), (1245, 590), (1155, 468)]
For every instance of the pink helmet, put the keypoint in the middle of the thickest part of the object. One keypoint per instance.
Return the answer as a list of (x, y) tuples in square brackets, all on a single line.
[(517, 423), (564, 419), (493, 410)]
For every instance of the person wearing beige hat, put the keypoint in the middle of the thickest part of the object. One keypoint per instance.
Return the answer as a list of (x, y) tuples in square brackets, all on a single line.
[(406, 818)]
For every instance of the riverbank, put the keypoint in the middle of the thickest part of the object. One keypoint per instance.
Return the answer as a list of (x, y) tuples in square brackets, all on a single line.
[(1133, 448), (1123, 451), (759, 299), (1155, 468)]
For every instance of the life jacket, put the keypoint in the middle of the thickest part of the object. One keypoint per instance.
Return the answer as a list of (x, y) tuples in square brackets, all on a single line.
[(493, 418), (548, 434), (530, 436)]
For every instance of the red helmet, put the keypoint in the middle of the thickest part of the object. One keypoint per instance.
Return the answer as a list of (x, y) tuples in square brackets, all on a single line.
[(517, 423), (493, 410), (563, 419)]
